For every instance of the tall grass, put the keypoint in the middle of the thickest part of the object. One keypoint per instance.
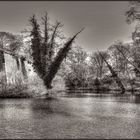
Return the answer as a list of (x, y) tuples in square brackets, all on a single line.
[(14, 89), (17, 87)]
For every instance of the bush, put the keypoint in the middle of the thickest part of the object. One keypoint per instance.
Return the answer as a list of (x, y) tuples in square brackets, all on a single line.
[(71, 81), (107, 80), (14, 91)]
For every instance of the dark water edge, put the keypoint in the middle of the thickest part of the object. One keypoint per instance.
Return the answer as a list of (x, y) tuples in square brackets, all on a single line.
[(79, 92)]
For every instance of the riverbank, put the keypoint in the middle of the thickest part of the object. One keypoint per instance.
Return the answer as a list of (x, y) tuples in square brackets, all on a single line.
[(24, 92), (63, 93)]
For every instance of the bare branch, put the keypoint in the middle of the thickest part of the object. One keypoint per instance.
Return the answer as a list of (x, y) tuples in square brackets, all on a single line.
[(128, 59)]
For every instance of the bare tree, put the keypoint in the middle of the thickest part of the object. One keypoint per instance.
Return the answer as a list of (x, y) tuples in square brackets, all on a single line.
[(98, 63), (120, 64), (128, 60), (133, 14), (114, 75), (76, 68)]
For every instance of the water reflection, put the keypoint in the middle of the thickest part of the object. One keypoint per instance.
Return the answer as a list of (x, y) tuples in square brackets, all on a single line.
[(127, 97)]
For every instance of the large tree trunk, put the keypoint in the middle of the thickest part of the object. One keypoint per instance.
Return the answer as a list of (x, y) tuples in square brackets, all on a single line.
[(114, 75)]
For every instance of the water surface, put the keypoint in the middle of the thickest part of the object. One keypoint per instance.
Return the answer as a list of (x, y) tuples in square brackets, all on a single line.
[(71, 116)]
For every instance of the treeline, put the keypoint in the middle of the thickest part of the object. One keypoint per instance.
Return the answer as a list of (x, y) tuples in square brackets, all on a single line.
[(121, 61), (46, 48), (38, 46), (117, 67)]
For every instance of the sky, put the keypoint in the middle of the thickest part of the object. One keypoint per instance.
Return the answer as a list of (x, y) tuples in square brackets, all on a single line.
[(104, 21)]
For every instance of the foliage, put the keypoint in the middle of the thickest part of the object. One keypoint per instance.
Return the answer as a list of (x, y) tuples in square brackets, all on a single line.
[(76, 68), (54, 67), (120, 64), (51, 54), (133, 14), (42, 51), (98, 63)]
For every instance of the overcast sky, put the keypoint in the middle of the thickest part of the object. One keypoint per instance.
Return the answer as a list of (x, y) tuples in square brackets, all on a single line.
[(104, 21)]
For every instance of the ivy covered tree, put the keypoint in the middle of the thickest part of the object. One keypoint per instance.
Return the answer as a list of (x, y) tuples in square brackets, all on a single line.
[(45, 62)]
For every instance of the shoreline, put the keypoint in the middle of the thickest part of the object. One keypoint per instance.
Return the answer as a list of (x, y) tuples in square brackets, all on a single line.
[(55, 93)]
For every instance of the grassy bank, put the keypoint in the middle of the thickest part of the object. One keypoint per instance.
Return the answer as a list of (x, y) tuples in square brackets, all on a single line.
[(14, 91), (37, 90)]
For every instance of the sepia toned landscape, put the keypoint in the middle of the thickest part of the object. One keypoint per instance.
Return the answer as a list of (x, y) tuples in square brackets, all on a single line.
[(70, 69)]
